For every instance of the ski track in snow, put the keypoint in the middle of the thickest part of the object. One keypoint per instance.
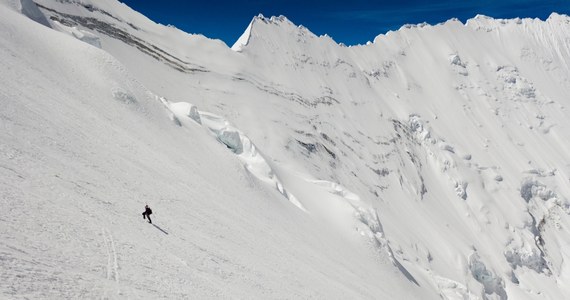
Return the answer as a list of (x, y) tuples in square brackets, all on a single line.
[(112, 261), (112, 264)]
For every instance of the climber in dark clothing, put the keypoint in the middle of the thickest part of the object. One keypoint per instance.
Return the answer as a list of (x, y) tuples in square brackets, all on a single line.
[(147, 212)]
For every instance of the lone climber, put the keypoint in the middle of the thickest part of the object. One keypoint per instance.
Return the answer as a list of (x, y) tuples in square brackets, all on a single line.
[(147, 212)]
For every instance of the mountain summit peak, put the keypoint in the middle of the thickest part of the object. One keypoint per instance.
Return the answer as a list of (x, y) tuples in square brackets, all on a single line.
[(260, 19), (271, 20)]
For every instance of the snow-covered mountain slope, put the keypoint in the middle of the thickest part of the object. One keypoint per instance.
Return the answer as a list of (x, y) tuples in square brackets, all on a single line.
[(431, 163), (85, 145)]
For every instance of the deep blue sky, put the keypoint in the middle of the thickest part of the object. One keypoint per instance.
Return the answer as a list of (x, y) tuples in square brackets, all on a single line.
[(347, 21)]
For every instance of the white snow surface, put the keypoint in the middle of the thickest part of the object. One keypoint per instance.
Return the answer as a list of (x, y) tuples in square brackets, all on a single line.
[(429, 164)]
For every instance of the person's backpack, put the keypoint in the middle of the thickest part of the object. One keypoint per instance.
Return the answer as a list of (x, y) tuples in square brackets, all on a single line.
[(149, 211)]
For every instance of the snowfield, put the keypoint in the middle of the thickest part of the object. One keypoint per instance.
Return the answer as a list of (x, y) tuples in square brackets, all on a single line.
[(430, 164)]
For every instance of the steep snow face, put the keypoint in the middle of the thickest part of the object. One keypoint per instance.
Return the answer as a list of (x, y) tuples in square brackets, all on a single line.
[(85, 146), (448, 111), (437, 153), (244, 38)]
